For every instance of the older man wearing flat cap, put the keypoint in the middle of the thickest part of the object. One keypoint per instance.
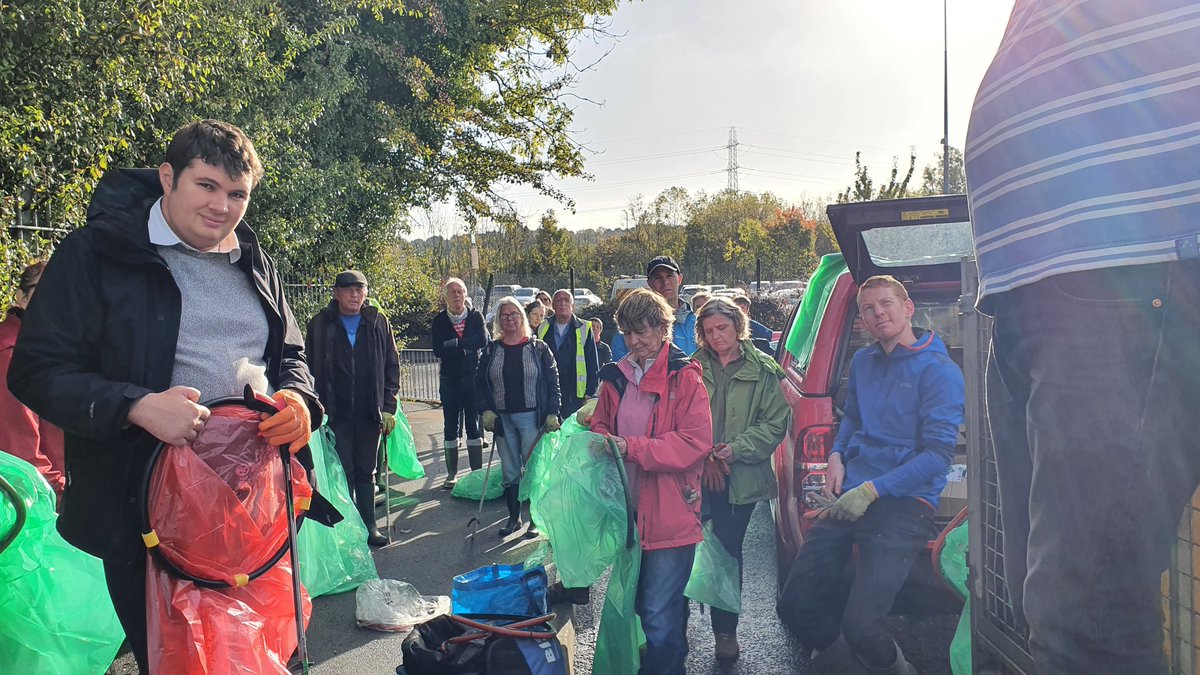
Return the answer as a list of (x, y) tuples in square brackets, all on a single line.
[(352, 355)]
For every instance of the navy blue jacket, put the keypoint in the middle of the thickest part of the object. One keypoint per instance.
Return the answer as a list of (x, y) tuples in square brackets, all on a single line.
[(902, 418)]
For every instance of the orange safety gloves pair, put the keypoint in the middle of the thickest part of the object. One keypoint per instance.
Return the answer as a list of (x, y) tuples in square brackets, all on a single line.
[(291, 426)]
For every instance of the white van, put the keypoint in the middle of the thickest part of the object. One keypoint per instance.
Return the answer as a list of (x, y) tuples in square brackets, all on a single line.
[(626, 284)]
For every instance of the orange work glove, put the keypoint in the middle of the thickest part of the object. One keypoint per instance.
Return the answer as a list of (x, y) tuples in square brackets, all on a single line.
[(291, 426)]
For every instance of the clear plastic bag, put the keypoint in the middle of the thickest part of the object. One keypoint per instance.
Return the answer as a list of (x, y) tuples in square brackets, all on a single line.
[(395, 606)]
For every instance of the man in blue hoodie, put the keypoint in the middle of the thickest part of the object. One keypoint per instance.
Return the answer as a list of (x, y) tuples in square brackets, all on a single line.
[(886, 472)]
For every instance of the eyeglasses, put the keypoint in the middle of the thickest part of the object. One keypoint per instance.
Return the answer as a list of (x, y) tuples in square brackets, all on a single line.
[(510, 316)]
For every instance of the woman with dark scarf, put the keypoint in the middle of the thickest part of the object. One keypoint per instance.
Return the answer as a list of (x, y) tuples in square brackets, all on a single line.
[(458, 335)]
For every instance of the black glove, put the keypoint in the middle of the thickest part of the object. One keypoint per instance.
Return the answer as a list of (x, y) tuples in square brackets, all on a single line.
[(451, 343)]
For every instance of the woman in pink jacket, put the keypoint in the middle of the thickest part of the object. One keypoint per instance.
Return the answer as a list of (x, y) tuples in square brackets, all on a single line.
[(22, 432), (654, 404)]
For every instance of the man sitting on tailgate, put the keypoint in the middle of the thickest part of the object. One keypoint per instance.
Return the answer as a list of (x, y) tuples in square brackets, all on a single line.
[(886, 471)]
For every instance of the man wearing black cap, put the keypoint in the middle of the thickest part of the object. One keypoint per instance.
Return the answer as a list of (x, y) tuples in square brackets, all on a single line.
[(353, 357), (665, 278)]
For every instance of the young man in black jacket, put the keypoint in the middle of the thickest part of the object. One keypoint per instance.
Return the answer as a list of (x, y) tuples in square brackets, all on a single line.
[(353, 357), (163, 300)]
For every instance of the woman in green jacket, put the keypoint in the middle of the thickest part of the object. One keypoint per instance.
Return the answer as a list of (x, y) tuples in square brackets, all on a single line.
[(750, 418)]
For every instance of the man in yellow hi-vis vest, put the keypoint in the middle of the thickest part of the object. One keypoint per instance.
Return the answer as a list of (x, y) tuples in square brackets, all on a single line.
[(570, 340)]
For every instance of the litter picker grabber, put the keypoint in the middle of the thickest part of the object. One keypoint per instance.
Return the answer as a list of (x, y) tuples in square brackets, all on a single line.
[(285, 456), (473, 523), (387, 485)]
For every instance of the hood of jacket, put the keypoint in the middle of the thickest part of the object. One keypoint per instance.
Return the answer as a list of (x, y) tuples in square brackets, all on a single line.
[(655, 379), (927, 343)]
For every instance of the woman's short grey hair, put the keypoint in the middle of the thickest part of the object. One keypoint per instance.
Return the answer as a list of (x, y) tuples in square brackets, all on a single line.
[(510, 301), (643, 308), (722, 307)]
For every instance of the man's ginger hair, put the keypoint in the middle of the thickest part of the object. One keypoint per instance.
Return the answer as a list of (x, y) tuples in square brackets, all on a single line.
[(883, 281)]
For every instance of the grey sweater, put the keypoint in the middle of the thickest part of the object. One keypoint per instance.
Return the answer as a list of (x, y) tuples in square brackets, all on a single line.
[(223, 331)]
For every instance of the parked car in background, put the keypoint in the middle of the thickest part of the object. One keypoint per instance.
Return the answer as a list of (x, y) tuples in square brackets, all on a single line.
[(787, 289), (526, 294), (499, 291), (920, 242), (688, 290), (584, 297), (626, 284)]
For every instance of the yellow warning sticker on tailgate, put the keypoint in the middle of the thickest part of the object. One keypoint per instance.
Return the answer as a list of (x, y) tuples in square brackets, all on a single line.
[(926, 214)]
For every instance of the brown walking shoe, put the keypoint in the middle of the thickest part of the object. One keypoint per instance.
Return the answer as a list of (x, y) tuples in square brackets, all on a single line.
[(728, 648)]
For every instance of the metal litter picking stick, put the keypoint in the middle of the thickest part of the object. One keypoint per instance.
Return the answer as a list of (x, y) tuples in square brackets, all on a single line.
[(286, 457)]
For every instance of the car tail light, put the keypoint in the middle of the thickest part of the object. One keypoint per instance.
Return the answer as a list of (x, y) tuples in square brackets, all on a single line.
[(818, 441), (813, 462)]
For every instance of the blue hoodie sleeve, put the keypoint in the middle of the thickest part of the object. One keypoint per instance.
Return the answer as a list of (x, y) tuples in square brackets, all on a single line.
[(941, 412), (619, 350)]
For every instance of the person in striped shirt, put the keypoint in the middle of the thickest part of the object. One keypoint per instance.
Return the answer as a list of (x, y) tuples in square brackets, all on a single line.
[(1083, 177)]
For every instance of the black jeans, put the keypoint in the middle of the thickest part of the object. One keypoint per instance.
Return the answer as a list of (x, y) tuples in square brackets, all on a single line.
[(357, 442), (729, 523), (127, 588), (1093, 390), (458, 397), (819, 601)]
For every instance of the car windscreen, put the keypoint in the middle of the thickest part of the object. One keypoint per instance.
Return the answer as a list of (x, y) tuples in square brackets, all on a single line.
[(921, 244)]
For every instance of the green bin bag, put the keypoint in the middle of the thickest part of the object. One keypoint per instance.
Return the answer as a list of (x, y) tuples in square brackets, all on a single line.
[(333, 559), (582, 510), (470, 486), (541, 461), (715, 579), (954, 571), (55, 613), (619, 640), (402, 450), (803, 333)]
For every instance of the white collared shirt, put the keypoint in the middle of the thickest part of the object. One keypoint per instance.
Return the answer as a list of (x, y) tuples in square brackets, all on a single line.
[(161, 234)]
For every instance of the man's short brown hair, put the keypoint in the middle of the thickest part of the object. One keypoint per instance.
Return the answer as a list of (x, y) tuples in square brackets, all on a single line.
[(216, 143), (884, 281)]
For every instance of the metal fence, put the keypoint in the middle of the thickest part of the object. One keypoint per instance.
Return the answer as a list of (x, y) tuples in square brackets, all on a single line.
[(999, 638), (419, 376)]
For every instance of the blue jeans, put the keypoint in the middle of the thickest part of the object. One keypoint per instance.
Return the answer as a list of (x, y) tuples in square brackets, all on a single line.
[(818, 602), (663, 609), (1093, 388), (519, 431)]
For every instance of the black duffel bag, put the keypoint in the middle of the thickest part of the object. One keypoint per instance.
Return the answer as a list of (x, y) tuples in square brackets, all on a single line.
[(455, 645)]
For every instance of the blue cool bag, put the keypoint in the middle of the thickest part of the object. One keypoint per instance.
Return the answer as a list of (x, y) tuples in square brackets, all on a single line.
[(509, 590)]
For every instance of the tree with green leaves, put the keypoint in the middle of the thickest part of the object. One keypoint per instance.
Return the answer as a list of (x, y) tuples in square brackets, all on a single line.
[(864, 190), (931, 175)]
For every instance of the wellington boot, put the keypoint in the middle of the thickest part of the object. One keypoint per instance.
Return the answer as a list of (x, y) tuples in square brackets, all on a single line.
[(512, 501), (475, 453), (450, 448), (364, 499), (900, 666), (837, 659)]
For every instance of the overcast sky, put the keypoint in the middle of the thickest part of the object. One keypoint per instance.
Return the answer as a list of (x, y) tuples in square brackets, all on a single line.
[(806, 84)]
